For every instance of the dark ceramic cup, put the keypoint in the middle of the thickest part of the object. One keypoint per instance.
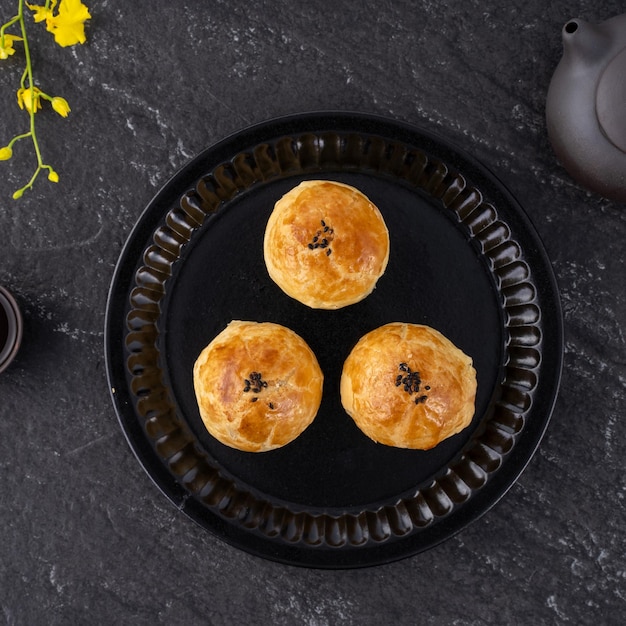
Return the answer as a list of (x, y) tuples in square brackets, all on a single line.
[(10, 328)]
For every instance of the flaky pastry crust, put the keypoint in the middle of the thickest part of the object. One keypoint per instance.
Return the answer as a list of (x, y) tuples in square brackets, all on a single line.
[(258, 386), (326, 244), (408, 386)]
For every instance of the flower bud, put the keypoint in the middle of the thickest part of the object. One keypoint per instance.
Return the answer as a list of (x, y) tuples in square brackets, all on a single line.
[(5, 153), (53, 176), (61, 106), (18, 194)]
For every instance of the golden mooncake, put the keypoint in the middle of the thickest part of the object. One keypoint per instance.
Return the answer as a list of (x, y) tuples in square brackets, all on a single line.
[(258, 386), (326, 244), (408, 386)]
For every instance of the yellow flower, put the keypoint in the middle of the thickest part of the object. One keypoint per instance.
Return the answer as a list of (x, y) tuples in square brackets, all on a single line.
[(53, 176), (60, 105), (41, 13), (6, 46), (68, 25), (27, 99), (5, 153)]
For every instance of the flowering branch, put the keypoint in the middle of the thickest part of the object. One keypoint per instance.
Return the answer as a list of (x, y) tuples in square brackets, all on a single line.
[(68, 27)]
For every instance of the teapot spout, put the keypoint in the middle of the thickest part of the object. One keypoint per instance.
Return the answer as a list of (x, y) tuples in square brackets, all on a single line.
[(584, 42)]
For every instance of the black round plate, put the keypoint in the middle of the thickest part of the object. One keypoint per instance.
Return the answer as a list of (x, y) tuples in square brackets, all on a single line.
[(464, 259)]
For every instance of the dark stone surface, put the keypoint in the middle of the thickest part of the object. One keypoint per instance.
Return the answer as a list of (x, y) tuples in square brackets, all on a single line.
[(86, 537)]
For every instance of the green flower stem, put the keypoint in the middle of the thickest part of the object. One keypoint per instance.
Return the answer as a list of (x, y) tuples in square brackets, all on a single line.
[(19, 192), (17, 138), (28, 74)]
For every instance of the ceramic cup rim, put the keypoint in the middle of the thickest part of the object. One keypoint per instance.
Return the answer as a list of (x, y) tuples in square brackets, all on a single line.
[(14, 339)]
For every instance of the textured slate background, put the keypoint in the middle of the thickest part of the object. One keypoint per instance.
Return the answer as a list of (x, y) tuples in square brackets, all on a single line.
[(85, 536)]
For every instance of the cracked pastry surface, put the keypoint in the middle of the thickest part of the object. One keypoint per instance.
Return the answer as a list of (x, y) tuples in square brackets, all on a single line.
[(408, 386), (258, 386), (326, 244)]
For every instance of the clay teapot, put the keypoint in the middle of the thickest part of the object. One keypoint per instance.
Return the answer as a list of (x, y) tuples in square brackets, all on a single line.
[(586, 105)]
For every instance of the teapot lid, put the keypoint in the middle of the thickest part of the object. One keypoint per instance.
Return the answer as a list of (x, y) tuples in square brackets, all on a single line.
[(611, 101)]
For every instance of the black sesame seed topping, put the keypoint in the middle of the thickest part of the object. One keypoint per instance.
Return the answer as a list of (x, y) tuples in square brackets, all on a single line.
[(254, 383), (410, 382), (271, 406), (326, 236)]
